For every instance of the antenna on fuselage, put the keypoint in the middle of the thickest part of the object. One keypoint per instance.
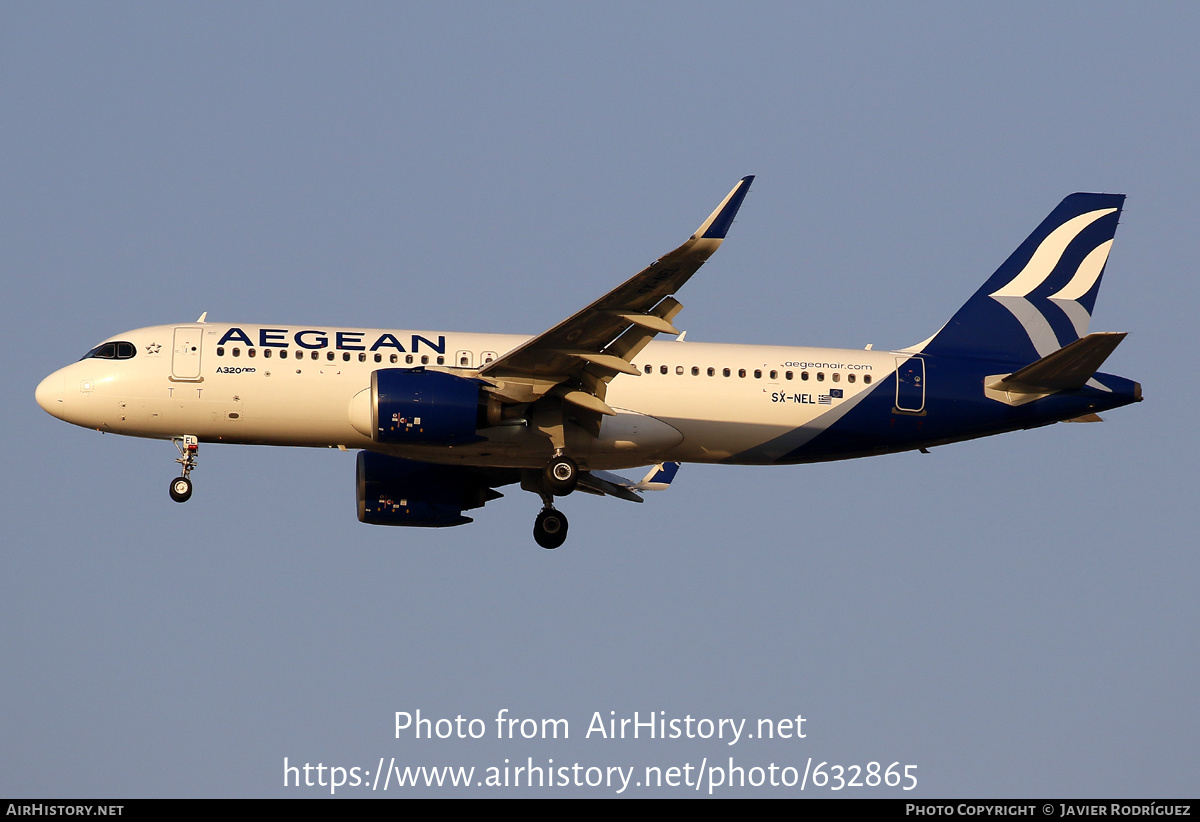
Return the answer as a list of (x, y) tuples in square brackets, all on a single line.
[(202, 316)]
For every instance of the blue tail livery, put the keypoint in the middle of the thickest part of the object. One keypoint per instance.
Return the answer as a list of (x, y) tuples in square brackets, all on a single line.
[(1041, 298)]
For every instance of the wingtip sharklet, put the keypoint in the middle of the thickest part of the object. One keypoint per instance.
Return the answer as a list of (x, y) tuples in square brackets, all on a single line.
[(718, 223)]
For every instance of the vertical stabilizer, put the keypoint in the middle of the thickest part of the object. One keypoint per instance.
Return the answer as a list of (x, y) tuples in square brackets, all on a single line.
[(1041, 298)]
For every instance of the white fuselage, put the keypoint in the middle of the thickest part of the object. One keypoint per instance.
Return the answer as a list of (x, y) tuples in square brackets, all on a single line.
[(297, 385)]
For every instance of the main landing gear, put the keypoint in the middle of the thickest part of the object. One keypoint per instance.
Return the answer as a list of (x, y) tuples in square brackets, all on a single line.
[(559, 478), (561, 475), (181, 486), (550, 528)]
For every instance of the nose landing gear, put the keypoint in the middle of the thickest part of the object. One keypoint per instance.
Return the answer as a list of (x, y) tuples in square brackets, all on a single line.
[(181, 486)]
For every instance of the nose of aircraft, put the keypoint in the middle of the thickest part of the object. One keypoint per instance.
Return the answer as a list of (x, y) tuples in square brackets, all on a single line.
[(49, 394)]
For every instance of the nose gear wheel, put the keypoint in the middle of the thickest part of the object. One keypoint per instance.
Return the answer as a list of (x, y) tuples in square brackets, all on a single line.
[(181, 487)]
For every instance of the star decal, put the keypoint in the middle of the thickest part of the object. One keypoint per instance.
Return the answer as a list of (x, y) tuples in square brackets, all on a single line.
[(153, 348)]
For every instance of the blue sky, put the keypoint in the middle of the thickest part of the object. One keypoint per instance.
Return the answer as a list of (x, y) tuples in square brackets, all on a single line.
[(1015, 616)]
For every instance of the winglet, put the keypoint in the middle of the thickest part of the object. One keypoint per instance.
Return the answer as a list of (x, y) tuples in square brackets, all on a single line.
[(717, 224), (602, 482), (659, 478)]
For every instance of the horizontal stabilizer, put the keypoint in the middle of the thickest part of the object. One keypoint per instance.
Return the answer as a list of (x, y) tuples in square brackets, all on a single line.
[(1069, 368)]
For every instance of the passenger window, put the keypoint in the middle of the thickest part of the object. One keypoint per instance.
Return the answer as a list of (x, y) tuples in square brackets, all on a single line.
[(867, 379), (267, 353), (362, 357), (837, 377), (299, 356), (424, 359), (329, 356), (758, 373), (408, 360), (804, 375), (712, 372), (396, 358), (820, 376), (662, 369), (849, 378), (236, 351), (316, 355), (679, 370), (725, 372), (378, 357), (251, 352), (220, 351), (787, 375), (741, 372), (774, 375), (441, 360), (649, 369), (695, 371)]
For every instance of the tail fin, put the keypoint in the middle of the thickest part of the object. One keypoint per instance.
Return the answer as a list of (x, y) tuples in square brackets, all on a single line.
[(1041, 298)]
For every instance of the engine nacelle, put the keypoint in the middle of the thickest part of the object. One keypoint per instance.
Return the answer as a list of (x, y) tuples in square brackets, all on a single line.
[(395, 491), (416, 407)]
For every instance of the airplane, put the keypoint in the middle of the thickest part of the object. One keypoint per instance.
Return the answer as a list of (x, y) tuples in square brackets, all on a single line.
[(441, 420)]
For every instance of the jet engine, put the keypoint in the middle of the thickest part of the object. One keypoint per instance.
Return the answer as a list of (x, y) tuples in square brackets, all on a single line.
[(395, 491), (416, 407)]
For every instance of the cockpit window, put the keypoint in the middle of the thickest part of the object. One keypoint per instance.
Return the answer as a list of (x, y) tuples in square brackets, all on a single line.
[(112, 351)]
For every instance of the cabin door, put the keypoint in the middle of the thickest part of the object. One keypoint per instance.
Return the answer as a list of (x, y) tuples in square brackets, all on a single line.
[(910, 385), (185, 353)]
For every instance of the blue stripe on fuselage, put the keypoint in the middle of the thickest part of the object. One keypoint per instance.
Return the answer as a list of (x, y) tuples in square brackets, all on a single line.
[(956, 408)]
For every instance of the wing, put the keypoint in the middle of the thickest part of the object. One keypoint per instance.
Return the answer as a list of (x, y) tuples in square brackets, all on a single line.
[(577, 358)]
